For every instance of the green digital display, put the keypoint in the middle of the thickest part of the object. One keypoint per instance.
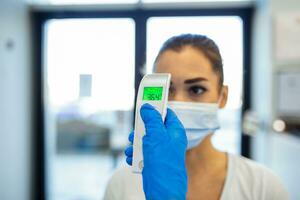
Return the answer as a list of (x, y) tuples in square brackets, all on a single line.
[(152, 93)]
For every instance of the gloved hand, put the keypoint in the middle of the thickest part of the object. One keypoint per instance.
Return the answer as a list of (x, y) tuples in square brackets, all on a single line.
[(129, 150), (164, 147)]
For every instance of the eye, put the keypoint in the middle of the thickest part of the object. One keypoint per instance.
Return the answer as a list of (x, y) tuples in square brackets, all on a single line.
[(171, 90), (196, 90)]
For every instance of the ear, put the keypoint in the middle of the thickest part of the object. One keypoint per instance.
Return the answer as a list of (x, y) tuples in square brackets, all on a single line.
[(223, 96)]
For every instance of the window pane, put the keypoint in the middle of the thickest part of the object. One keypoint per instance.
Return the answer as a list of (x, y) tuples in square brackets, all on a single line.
[(227, 33), (189, 1), (88, 105)]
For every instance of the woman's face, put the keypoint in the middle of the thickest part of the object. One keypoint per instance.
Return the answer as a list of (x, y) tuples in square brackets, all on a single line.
[(193, 78)]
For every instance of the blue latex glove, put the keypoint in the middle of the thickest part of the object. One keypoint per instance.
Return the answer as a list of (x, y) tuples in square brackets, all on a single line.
[(164, 148), (129, 150)]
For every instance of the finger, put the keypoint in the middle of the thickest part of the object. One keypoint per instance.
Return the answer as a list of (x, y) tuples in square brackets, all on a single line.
[(131, 137), (172, 120), (174, 126), (151, 117), (129, 151), (129, 160)]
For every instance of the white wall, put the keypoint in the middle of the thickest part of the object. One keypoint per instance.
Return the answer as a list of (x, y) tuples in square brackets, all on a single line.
[(278, 151), (15, 120)]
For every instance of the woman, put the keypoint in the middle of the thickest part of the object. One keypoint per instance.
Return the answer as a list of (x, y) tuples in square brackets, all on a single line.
[(192, 168)]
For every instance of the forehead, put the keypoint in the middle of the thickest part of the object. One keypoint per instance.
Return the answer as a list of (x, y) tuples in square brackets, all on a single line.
[(186, 63)]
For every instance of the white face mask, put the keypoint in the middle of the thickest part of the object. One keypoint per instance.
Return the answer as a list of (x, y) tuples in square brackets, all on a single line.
[(198, 119)]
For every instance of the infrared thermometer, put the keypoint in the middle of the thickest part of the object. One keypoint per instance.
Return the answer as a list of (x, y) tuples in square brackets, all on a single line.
[(153, 89)]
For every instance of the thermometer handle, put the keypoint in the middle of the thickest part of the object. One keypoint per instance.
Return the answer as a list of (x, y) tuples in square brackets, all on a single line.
[(158, 80)]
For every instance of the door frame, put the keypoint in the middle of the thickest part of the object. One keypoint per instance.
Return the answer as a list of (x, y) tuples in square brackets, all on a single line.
[(140, 16)]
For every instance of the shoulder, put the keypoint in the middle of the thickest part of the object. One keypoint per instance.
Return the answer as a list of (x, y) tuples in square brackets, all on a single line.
[(255, 180), (253, 170), (250, 168), (121, 175), (124, 185)]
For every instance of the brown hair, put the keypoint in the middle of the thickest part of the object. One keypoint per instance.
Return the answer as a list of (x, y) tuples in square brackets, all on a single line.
[(200, 42)]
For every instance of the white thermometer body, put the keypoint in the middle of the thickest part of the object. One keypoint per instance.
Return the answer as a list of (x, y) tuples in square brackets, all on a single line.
[(153, 89)]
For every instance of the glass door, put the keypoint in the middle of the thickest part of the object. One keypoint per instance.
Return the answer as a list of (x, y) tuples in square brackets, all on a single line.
[(91, 67), (88, 101), (227, 32)]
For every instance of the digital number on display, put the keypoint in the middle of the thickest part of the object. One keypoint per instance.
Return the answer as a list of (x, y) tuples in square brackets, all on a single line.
[(152, 93)]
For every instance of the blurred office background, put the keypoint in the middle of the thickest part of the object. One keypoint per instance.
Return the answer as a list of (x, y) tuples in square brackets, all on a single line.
[(70, 70)]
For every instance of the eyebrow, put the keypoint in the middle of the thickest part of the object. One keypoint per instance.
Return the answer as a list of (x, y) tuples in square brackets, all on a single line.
[(194, 80)]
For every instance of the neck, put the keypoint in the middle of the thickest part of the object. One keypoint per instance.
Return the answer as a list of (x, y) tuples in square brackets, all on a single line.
[(205, 157)]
